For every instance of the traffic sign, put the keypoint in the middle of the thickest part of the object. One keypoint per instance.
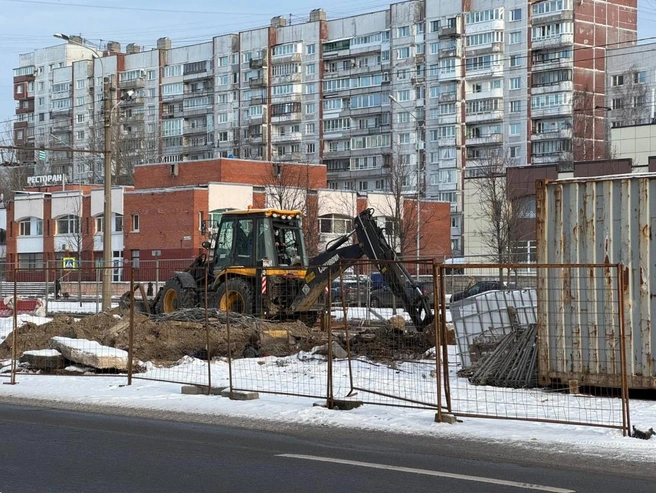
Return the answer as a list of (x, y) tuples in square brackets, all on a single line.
[(68, 263)]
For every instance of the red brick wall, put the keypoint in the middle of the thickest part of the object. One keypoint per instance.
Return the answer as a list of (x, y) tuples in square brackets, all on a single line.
[(226, 170), (165, 219), (434, 228)]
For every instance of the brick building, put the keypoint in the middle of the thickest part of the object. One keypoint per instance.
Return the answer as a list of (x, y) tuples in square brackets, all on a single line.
[(168, 211)]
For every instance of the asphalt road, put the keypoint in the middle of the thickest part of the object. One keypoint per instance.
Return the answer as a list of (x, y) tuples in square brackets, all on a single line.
[(54, 450)]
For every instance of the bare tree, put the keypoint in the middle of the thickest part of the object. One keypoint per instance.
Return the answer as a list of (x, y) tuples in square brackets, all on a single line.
[(401, 203), (631, 99), (13, 173), (499, 218)]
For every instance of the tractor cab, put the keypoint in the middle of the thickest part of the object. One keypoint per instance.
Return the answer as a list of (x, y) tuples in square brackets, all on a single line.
[(259, 237)]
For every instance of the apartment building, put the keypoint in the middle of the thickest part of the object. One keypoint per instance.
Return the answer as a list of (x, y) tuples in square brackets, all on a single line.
[(406, 100)]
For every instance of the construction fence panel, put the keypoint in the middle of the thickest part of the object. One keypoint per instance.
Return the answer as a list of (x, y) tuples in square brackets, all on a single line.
[(537, 352), (388, 358)]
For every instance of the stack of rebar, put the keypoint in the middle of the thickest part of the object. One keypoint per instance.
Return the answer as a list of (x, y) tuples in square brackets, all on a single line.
[(514, 362)]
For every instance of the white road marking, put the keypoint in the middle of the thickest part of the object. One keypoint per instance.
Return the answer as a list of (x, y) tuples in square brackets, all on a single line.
[(463, 477)]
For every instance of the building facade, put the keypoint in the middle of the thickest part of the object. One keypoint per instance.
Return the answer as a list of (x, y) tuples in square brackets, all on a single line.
[(407, 99), (171, 208)]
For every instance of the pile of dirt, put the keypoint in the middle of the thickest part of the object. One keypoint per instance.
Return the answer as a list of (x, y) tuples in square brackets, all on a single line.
[(166, 341)]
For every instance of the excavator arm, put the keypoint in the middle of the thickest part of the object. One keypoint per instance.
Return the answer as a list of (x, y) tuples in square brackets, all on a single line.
[(372, 244)]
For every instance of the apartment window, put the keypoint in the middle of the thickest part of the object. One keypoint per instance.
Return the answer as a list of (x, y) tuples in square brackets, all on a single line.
[(640, 77), (434, 26), (385, 55), (79, 118), (515, 60), (80, 84), (403, 31), (68, 225), (403, 53), (311, 49), (152, 75), (515, 106), (310, 69), (172, 71), (515, 38), (515, 15), (79, 135), (310, 88), (515, 129), (516, 83), (618, 104), (404, 138), (617, 80), (403, 95), (515, 151), (310, 108), (311, 148)]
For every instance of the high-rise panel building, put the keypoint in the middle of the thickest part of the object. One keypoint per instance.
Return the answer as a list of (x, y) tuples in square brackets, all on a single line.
[(408, 99)]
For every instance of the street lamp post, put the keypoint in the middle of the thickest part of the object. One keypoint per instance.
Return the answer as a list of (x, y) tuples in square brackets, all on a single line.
[(418, 166), (107, 212)]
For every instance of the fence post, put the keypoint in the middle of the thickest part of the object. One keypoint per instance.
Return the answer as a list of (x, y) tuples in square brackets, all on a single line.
[(131, 329), (207, 335), (626, 418), (14, 336)]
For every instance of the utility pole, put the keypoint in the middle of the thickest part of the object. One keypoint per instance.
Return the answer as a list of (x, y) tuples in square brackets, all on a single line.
[(107, 213)]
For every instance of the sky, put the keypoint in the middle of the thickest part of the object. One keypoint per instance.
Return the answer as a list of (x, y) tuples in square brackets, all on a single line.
[(161, 397), (30, 24)]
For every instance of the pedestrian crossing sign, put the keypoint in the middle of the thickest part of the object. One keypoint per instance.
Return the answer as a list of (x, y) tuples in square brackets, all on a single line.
[(68, 263)]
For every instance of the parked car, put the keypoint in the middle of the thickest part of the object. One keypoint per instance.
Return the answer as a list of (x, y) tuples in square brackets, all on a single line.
[(384, 298), (481, 287), (354, 292)]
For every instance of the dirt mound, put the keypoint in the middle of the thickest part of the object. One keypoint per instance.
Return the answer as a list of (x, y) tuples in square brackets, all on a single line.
[(166, 340)]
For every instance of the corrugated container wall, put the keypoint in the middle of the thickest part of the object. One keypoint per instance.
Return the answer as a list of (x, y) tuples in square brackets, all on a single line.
[(589, 221)]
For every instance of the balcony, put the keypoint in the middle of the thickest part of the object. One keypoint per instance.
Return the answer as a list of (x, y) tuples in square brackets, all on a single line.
[(547, 111), (565, 133), (552, 64), (196, 110), (292, 57), (288, 137), (484, 116), (286, 79), (552, 41), (485, 49), (487, 140), (487, 72), (455, 51), (563, 86), (194, 129), (138, 83), (287, 117), (292, 157), (447, 97), (259, 82), (552, 17), (450, 31), (258, 101), (257, 63)]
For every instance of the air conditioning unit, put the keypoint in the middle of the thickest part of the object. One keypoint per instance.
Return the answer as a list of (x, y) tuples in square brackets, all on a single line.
[(142, 73), (65, 247)]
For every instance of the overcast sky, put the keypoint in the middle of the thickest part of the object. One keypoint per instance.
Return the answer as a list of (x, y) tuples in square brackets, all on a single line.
[(29, 24)]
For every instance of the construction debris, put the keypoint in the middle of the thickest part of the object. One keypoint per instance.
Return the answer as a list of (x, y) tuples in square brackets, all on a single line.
[(513, 363)]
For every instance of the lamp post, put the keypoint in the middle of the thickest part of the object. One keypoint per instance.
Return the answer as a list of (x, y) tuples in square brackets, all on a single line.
[(107, 213), (418, 166)]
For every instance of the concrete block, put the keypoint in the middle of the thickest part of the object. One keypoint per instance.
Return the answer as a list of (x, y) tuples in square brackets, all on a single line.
[(191, 390), (446, 418), (240, 396), (344, 405)]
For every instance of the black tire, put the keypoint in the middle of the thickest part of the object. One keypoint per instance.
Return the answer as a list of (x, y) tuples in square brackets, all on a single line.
[(235, 295), (374, 302), (174, 297)]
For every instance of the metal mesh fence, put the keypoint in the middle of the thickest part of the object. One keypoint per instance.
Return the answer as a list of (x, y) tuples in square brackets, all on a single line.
[(549, 353), (539, 343)]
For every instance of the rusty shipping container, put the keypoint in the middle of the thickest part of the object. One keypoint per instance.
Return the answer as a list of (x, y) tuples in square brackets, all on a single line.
[(592, 221)]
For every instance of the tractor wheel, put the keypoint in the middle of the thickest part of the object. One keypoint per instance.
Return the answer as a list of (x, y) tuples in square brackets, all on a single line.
[(174, 297), (235, 295)]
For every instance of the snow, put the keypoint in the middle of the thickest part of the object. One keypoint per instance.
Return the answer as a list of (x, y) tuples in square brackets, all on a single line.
[(159, 396)]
